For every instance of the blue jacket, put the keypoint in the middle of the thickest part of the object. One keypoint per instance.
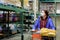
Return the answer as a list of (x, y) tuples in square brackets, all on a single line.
[(49, 24)]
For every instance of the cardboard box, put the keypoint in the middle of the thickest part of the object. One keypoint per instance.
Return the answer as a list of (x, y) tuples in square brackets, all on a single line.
[(13, 2)]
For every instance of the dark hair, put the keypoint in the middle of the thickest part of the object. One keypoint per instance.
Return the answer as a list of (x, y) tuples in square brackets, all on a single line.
[(46, 12)]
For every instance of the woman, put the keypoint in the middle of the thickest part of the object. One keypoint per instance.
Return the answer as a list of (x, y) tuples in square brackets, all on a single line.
[(44, 21)]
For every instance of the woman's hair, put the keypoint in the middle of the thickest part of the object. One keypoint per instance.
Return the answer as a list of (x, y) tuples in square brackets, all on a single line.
[(47, 14)]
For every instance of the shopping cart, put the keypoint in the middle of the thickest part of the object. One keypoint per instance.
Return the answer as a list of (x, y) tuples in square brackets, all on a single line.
[(37, 36)]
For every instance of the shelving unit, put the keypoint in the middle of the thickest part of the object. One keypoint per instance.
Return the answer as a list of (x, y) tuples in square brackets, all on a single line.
[(11, 8), (28, 20), (6, 16)]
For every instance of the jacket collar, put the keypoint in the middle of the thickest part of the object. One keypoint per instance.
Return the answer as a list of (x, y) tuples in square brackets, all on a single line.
[(47, 18)]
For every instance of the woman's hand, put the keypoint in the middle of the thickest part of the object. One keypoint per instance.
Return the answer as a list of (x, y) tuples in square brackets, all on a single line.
[(33, 30), (38, 32)]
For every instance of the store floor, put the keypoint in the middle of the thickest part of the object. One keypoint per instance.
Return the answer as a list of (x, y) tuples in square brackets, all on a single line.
[(18, 37), (13, 37), (27, 36)]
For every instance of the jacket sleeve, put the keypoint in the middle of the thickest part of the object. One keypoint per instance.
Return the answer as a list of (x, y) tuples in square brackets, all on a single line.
[(51, 24), (35, 24)]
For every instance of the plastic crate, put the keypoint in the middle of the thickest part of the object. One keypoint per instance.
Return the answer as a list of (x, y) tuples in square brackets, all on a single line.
[(39, 37), (36, 37)]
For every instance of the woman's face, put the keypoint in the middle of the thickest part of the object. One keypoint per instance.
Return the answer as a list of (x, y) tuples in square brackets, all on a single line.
[(43, 14)]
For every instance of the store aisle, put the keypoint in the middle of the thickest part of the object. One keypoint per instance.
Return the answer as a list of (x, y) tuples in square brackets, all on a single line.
[(27, 36), (18, 37), (14, 37)]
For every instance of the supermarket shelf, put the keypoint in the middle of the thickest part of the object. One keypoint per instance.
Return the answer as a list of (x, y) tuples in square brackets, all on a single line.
[(17, 22), (49, 0), (11, 8), (54, 14), (57, 14), (16, 10)]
